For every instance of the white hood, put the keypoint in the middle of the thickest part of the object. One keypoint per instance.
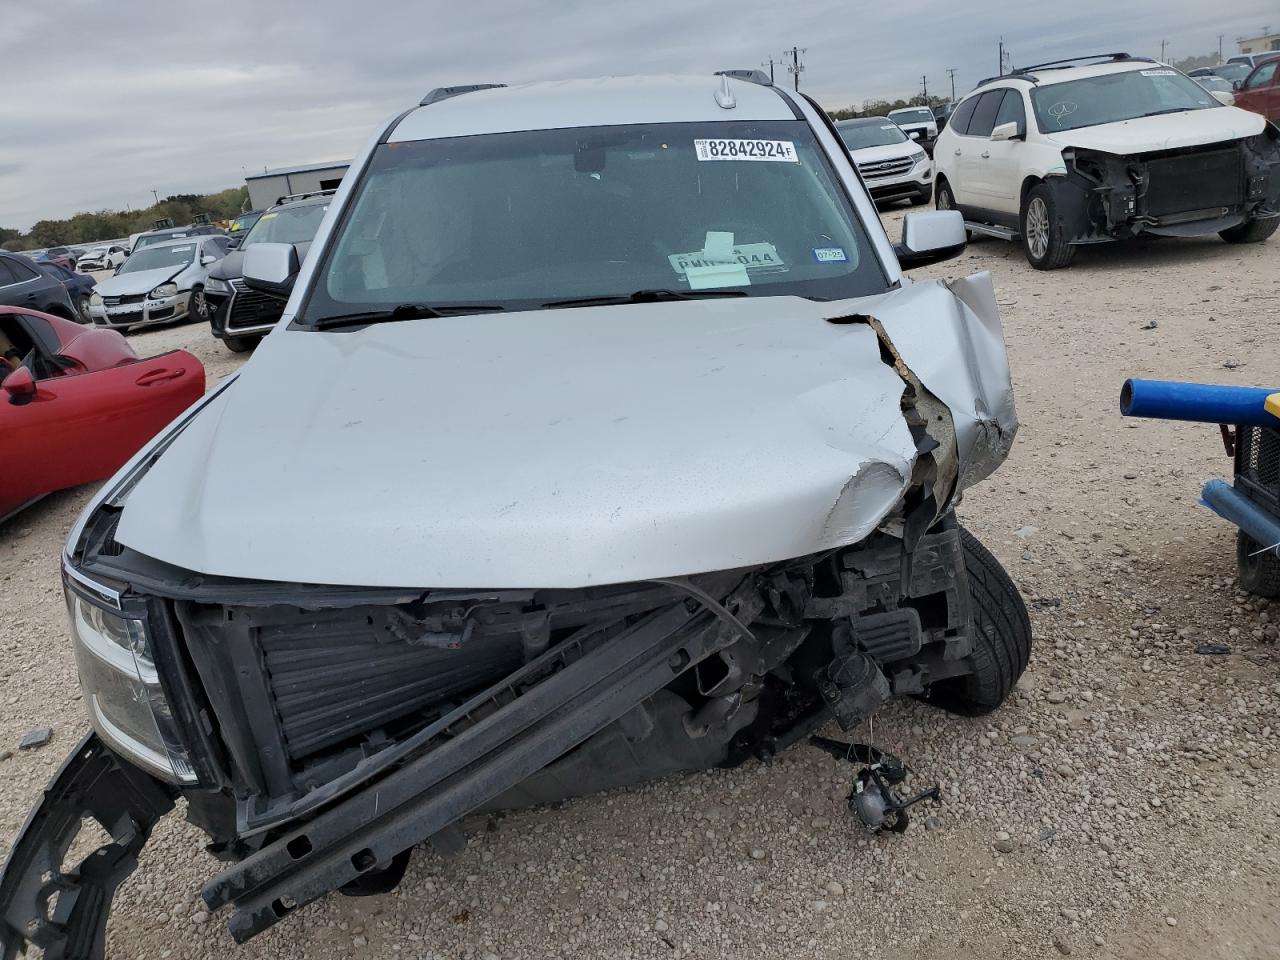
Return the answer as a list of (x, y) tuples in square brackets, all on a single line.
[(144, 281), (1165, 132), (571, 447)]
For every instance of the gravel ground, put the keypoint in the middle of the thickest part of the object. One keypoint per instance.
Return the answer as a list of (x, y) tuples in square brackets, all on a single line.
[(1122, 804)]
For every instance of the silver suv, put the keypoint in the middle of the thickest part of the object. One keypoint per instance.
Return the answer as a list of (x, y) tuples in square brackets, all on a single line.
[(602, 438)]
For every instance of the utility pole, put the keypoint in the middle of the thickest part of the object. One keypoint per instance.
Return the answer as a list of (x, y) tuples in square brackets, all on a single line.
[(1001, 70), (1219, 48), (795, 67), (1163, 45), (770, 61), (951, 72), (157, 196), (924, 88)]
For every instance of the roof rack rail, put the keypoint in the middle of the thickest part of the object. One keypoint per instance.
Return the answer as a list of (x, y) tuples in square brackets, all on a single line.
[(751, 76), (304, 196), (444, 93), (1067, 61)]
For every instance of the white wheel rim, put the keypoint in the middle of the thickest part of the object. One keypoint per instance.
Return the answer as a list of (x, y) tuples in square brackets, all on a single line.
[(1037, 228), (202, 306)]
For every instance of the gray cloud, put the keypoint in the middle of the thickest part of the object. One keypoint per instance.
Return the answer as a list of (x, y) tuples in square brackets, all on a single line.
[(185, 97)]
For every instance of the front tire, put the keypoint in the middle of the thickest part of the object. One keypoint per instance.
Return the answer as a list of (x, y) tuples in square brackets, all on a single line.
[(1251, 231), (241, 344), (923, 197), (1001, 636), (1257, 567), (201, 309), (83, 305), (1042, 240)]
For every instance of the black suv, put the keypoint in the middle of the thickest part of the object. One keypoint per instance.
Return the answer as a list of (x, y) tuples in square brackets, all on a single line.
[(242, 316), (24, 284)]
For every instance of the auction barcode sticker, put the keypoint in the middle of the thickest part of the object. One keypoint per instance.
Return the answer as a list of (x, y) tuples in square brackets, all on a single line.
[(776, 151)]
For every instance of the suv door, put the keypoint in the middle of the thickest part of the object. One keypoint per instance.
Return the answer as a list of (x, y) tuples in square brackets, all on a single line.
[(78, 429), (970, 190), (1001, 160), (1259, 91)]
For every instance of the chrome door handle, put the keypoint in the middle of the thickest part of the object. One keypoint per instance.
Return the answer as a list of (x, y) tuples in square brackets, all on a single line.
[(957, 153), (985, 155)]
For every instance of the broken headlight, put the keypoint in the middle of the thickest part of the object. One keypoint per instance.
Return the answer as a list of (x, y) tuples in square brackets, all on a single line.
[(118, 678)]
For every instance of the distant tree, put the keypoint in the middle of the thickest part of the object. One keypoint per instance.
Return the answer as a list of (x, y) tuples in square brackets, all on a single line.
[(1193, 63), (881, 108)]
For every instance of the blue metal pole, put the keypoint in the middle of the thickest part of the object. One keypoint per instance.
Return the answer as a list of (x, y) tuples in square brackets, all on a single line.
[(1233, 506), (1199, 402)]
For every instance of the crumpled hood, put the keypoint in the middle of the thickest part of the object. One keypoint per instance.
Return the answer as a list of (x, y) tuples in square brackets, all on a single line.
[(574, 447), (1165, 132), (144, 281)]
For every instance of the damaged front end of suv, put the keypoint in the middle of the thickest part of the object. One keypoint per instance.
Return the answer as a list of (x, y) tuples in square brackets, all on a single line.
[(1231, 188), (318, 733), (421, 561)]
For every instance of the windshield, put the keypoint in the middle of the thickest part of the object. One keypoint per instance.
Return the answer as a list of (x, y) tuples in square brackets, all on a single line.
[(287, 225), (158, 238), (914, 115), (1232, 71), (520, 220), (178, 255), (244, 222), (878, 133), (1112, 97), (1215, 83)]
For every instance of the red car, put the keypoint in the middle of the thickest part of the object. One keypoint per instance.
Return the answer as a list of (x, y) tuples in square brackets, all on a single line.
[(76, 403), (1260, 91)]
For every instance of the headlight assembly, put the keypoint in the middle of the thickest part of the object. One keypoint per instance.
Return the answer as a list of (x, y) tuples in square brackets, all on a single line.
[(164, 290), (214, 285), (95, 299), (119, 681)]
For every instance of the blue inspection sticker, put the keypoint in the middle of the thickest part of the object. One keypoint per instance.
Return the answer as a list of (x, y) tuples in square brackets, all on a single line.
[(829, 255)]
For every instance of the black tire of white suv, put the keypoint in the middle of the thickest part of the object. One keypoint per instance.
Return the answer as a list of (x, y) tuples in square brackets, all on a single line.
[(1251, 231), (1042, 240)]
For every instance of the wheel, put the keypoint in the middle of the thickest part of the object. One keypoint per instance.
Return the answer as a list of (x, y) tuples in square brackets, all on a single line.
[(241, 344), (1042, 239), (1257, 567), (944, 199), (1001, 636), (920, 199), (1251, 231), (84, 310), (201, 309)]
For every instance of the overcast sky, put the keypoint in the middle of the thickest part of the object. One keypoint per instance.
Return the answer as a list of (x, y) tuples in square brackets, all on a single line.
[(107, 100)]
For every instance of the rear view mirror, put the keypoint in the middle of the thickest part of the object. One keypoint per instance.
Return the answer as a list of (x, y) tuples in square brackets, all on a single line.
[(19, 385), (271, 268), (930, 236), (1006, 131)]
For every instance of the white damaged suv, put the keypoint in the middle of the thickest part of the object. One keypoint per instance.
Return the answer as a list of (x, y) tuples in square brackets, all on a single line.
[(1096, 149), (603, 438)]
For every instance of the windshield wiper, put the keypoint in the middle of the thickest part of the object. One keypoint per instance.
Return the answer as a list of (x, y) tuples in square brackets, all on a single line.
[(642, 296), (405, 311), (1160, 113)]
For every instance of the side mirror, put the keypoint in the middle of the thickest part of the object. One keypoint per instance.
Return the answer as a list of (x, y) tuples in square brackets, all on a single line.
[(915, 134), (271, 268), (233, 241), (208, 260), (20, 386), (1224, 98), (930, 236), (1006, 131)]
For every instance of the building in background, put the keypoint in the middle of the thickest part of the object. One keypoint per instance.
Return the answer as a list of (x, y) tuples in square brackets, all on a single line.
[(1263, 44), (266, 188)]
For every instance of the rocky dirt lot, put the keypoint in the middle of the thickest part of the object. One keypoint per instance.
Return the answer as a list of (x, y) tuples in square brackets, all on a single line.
[(1122, 804)]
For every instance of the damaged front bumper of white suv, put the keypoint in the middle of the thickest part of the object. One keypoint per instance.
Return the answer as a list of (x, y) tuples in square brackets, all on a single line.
[(456, 605)]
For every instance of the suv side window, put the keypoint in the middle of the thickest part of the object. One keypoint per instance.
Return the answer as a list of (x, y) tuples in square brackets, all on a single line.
[(7, 276), (1262, 76), (984, 115), (1012, 111), (959, 121)]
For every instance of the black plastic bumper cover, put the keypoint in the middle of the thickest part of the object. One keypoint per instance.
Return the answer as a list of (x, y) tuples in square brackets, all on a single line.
[(66, 914)]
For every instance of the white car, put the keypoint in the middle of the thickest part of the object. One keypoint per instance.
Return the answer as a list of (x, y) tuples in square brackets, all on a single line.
[(1061, 154), (160, 283), (102, 258), (918, 123), (603, 437), (892, 165)]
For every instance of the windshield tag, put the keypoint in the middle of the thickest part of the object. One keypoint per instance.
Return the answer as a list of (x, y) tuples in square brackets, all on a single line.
[(830, 255), (756, 257), (717, 275), (1159, 73), (771, 151)]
